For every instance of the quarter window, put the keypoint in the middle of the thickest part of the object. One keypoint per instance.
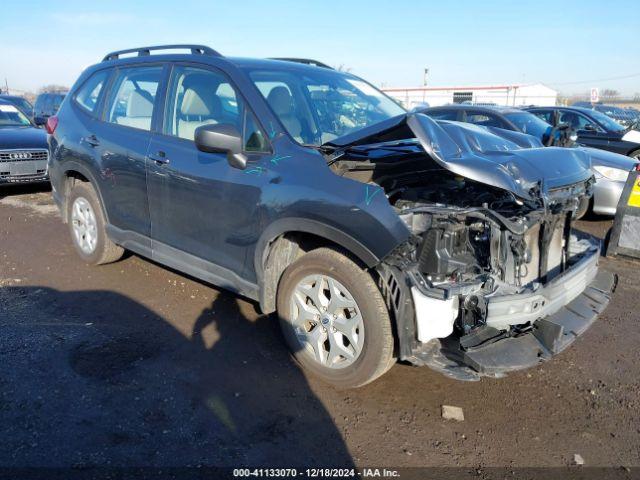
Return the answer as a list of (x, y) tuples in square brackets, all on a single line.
[(88, 95), (485, 120), (135, 93), (443, 114)]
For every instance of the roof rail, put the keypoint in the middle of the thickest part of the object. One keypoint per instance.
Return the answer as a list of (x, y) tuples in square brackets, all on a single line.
[(144, 51), (306, 61)]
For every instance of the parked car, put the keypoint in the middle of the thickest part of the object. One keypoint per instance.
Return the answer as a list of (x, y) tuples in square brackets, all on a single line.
[(23, 147), (610, 169), (595, 129), (20, 102), (46, 105), (376, 234), (623, 116), (507, 118)]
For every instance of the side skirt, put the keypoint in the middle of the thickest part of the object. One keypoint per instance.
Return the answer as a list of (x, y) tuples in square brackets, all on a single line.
[(183, 262)]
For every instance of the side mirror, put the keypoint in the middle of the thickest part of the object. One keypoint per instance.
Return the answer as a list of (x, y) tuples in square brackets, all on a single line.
[(222, 138), (39, 121)]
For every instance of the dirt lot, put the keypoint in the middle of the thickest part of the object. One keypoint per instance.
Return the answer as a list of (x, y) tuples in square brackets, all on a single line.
[(134, 364)]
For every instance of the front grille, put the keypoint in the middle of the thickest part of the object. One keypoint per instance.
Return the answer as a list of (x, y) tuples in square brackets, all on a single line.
[(22, 155)]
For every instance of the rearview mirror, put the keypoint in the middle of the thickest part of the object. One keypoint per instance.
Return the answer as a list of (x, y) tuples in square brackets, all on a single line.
[(590, 127), (222, 138)]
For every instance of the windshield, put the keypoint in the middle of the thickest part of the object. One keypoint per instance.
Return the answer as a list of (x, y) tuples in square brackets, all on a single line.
[(528, 123), (607, 122), (319, 105), (10, 116)]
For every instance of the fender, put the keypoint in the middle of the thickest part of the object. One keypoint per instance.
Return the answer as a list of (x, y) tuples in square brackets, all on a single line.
[(305, 225), (267, 286), (72, 165)]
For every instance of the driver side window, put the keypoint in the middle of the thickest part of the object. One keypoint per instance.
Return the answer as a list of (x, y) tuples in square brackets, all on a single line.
[(198, 97), (577, 121)]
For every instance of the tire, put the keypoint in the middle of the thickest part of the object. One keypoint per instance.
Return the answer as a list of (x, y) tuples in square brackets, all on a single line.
[(635, 154), (94, 247), (368, 349)]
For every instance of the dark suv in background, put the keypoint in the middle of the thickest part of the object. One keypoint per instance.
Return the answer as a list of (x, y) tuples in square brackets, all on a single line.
[(46, 105), (375, 234)]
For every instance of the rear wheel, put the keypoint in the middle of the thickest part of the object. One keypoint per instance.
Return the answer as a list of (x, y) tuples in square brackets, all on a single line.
[(635, 154), (87, 226), (335, 319)]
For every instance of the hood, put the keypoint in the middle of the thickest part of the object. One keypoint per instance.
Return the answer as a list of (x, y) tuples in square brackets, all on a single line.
[(631, 136), (605, 158), (22, 137), (478, 154)]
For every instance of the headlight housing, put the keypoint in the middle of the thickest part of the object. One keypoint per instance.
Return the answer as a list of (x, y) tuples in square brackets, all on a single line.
[(615, 174)]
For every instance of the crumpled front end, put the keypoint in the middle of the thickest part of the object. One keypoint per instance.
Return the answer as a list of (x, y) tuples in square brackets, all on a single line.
[(493, 277), (479, 292)]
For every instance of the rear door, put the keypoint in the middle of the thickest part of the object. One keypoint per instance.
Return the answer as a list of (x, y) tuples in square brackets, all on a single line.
[(121, 141), (203, 211)]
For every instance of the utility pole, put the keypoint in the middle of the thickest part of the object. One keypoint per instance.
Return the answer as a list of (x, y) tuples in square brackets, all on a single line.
[(426, 75), (6, 85)]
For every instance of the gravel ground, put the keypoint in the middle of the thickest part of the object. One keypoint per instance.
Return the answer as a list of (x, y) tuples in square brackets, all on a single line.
[(135, 364)]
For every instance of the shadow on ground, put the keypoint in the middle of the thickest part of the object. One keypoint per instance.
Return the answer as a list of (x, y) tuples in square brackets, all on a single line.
[(11, 189), (123, 387)]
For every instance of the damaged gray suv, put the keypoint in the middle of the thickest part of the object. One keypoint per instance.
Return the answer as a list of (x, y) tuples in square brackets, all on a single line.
[(377, 235)]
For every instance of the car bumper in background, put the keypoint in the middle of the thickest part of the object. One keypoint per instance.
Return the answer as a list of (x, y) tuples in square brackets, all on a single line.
[(606, 194), (31, 167)]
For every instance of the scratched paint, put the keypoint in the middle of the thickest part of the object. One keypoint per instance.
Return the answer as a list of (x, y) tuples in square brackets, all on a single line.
[(370, 192), (257, 170), (275, 160)]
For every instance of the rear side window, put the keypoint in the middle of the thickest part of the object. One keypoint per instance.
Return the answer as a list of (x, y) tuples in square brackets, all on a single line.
[(89, 93), (134, 94)]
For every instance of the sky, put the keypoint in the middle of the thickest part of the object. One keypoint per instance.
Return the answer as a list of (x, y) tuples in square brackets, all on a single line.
[(568, 45)]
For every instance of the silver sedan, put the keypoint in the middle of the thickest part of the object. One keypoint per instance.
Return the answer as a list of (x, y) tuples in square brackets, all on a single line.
[(611, 171)]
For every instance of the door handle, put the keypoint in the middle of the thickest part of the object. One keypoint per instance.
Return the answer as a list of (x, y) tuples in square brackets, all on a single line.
[(160, 158), (91, 140)]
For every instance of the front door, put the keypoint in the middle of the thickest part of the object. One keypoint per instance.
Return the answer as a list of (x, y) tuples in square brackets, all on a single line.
[(204, 211), (589, 132)]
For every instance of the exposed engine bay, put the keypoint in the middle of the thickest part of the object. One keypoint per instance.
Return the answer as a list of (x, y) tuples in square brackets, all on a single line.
[(471, 243)]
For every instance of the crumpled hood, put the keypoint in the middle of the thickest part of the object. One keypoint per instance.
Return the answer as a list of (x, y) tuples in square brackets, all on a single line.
[(22, 137), (478, 154)]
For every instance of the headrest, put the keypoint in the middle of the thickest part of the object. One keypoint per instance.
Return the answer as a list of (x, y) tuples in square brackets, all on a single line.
[(140, 104), (280, 100)]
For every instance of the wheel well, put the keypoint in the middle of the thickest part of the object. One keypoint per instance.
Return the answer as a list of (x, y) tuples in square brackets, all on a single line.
[(71, 177), (286, 249)]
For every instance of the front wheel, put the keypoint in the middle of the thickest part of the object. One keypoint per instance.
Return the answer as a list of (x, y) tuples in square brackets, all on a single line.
[(334, 319)]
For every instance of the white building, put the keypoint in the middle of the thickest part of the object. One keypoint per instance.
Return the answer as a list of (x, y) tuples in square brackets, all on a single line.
[(505, 95)]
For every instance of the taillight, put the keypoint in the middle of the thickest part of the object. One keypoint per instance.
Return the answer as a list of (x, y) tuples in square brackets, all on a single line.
[(638, 167), (52, 123)]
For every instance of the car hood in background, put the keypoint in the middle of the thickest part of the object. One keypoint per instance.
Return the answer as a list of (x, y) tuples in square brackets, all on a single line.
[(478, 154), (632, 136), (12, 138), (609, 159)]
